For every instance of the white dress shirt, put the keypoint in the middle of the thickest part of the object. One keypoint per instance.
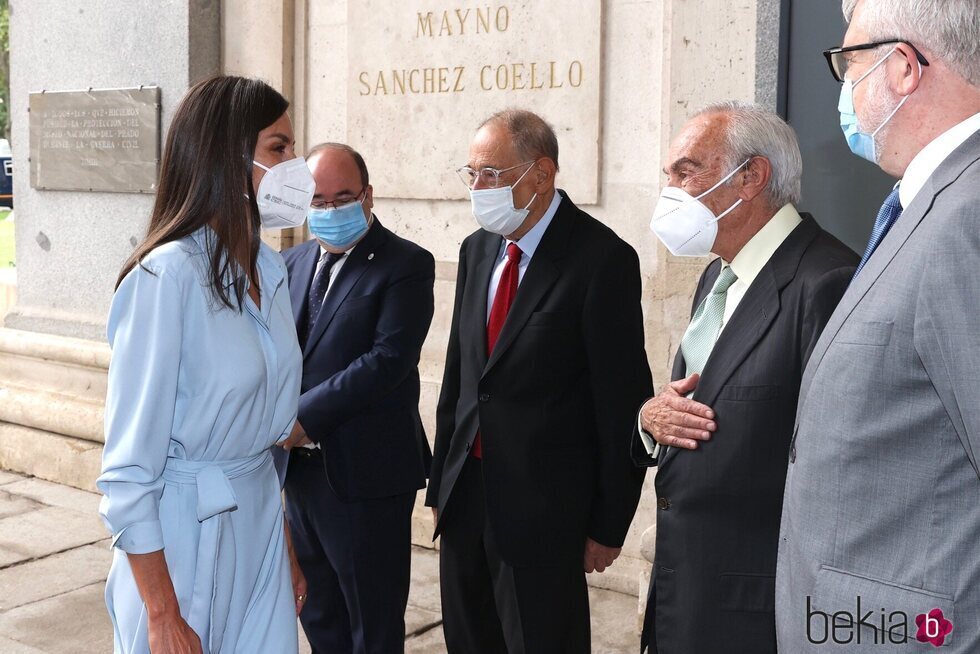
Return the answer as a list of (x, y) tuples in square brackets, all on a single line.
[(930, 157), (746, 265), (528, 245)]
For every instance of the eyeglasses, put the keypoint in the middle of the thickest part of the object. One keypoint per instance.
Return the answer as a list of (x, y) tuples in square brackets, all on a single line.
[(487, 177), (339, 201), (838, 60)]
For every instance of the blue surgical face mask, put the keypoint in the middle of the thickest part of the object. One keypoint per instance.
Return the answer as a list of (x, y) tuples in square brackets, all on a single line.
[(339, 227), (861, 143)]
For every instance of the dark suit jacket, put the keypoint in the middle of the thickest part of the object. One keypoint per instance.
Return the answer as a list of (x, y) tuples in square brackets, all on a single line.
[(360, 390), (713, 586), (555, 400)]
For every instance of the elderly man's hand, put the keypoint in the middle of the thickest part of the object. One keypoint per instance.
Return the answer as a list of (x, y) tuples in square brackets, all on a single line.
[(598, 557), (674, 420)]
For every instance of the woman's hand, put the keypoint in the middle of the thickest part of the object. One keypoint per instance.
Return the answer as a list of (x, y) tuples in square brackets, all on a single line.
[(170, 634), (299, 582), (299, 579)]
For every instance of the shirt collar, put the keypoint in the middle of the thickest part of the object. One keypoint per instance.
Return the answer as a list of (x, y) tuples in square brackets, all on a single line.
[(530, 241), (755, 254), (925, 163)]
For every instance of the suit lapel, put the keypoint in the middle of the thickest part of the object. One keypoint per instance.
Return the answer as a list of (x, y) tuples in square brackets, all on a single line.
[(358, 262), (540, 276), (488, 250), (751, 320), (302, 279), (892, 244)]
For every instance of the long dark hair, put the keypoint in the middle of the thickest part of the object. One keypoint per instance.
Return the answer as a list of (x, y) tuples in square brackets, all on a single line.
[(206, 169)]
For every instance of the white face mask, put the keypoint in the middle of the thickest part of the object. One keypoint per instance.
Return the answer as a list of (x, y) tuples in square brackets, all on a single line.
[(494, 209), (684, 224), (284, 194)]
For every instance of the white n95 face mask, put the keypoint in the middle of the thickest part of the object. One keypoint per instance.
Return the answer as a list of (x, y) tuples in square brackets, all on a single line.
[(494, 208), (684, 224), (284, 194)]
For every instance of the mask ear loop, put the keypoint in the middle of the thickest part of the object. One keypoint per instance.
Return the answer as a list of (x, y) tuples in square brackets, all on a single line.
[(724, 179), (895, 111)]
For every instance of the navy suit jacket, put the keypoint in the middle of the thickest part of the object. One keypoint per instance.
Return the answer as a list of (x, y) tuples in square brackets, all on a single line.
[(360, 390)]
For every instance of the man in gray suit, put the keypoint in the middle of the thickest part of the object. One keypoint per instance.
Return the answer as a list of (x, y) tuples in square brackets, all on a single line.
[(880, 532)]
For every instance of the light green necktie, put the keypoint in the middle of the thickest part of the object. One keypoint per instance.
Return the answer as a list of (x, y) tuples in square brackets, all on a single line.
[(701, 334)]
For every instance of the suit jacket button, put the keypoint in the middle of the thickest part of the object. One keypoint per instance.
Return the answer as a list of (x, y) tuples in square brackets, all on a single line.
[(663, 503), (484, 397)]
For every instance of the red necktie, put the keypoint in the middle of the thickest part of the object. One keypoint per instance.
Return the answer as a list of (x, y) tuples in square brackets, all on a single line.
[(502, 301)]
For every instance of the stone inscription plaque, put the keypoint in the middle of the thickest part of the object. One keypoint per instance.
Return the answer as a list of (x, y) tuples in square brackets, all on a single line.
[(95, 140), (422, 77)]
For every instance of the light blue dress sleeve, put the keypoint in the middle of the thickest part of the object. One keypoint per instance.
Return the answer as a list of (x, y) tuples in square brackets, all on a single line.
[(144, 330)]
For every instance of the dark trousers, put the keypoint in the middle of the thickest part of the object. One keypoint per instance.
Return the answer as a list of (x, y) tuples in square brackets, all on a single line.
[(489, 606), (357, 558)]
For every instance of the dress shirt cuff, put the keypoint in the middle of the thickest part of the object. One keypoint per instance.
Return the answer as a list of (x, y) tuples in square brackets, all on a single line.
[(140, 538), (651, 446)]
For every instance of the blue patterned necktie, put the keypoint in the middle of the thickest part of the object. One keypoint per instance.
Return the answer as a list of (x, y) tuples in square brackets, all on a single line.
[(887, 215), (319, 288)]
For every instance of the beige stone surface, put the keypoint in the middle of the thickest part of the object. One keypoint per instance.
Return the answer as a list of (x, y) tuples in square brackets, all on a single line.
[(64, 624), (67, 460), (54, 575), (46, 531), (414, 69)]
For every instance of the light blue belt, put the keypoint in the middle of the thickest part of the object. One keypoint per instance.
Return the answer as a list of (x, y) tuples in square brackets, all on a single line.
[(215, 573)]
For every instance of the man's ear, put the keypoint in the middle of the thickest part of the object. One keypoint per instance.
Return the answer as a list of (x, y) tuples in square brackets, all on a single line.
[(755, 178), (544, 174), (904, 71)]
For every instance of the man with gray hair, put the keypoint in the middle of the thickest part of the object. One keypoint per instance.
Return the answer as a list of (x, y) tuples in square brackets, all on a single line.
[(720, 432), (880, 535)]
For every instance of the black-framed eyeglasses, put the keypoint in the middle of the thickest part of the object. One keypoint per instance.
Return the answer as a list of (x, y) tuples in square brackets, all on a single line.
[(339, 201), (838, 60)]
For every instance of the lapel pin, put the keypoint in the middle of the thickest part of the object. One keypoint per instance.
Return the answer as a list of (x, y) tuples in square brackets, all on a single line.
[(370, 256)]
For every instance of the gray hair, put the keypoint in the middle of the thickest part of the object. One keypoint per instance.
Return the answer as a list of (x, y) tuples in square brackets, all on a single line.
[(754, 131), (948, 28), (533, 137)]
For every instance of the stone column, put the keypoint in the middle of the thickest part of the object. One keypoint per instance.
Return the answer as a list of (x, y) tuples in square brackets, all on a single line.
[(71, 245)]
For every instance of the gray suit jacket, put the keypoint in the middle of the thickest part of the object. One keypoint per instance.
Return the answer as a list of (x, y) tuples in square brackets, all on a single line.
[(882, 496)]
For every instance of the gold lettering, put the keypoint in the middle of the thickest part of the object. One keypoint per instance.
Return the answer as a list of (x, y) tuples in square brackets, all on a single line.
[(443, 80), (551, 83), (462, 21), (517, 76), (482, 19), (398, 81), (425, 25), (483, 82), (572, 75), (458, 87), (381, 84), (429, 83), (534, 87), (411, 80), (445, 27), (502, 85), (505, 13), (364, 78)]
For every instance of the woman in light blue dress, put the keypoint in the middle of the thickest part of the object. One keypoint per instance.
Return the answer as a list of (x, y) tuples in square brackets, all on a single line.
[(204, 380)]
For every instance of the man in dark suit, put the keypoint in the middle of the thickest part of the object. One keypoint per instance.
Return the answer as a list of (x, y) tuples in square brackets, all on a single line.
[(531, 476), (719, 434), (363, 301)]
